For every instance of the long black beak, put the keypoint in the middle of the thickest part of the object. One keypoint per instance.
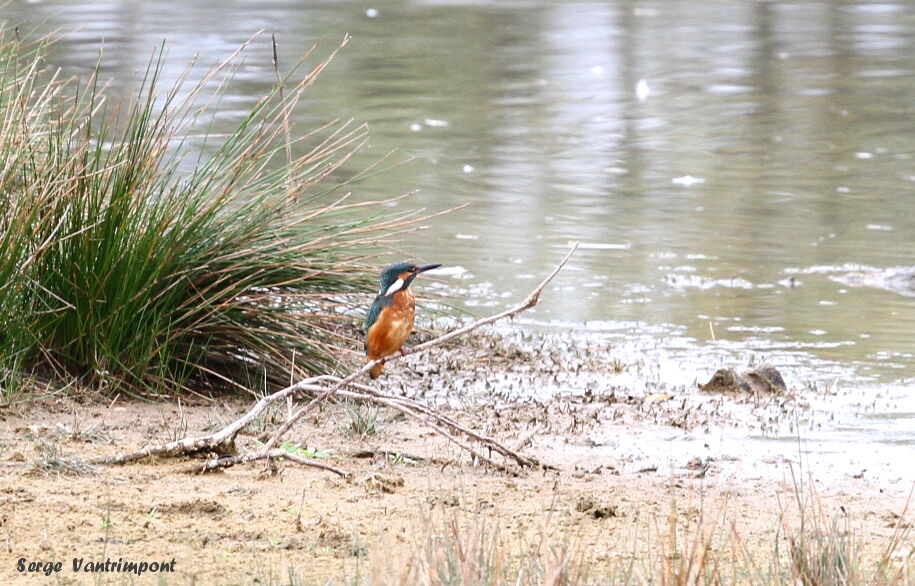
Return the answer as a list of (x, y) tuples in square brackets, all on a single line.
[(424, 268)]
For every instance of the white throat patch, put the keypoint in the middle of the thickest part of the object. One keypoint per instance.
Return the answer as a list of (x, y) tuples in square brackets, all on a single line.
[(395, 286)]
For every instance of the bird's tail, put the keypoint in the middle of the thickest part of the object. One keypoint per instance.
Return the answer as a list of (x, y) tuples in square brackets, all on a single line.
[(375, 372)]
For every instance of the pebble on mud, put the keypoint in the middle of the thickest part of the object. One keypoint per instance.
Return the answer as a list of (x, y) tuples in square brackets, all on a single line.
[(590, 504), (385, 483)]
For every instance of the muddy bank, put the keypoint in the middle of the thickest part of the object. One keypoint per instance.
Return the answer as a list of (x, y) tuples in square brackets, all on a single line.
[(603, 394), (624, 463)]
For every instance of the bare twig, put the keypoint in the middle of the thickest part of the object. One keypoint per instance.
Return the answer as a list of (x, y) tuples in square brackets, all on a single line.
[(392, 403), (322, 388), (223, 439), (424, 413), (530, 301), (275, 454)]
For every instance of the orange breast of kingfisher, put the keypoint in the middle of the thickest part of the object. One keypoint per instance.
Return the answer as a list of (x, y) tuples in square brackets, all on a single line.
[(394, 325)]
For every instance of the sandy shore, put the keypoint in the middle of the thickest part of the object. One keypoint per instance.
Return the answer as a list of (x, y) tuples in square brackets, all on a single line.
[(625, 469)]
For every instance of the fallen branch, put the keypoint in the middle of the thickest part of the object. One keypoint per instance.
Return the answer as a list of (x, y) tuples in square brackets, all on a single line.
[(530, 301), (423, 413), (392, 403), (275, 454), (324, 387)]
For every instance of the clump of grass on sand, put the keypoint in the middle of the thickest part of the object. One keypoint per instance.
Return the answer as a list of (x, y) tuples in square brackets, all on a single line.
[(128, 260), (360, 420), (51, 461)]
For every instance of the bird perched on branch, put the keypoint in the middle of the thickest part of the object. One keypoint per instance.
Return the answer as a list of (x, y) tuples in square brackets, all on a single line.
[(390, 319)]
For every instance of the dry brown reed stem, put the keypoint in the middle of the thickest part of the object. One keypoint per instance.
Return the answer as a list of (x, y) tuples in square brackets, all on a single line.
[(281, 87), (324, 387)]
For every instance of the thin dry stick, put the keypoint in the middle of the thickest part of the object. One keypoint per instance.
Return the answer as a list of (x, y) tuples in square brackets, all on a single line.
[(275, 454), (325, 386), (406, 410), (530, 301), (215, 441), (423, 411)]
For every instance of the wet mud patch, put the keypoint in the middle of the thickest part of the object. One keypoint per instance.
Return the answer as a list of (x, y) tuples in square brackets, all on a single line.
[(207, 507)]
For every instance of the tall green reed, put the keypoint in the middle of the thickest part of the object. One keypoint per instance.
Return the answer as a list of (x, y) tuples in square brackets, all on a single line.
[(125, 263)]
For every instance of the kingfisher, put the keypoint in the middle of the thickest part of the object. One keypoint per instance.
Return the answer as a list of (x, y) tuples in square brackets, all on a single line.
[(390, 319)]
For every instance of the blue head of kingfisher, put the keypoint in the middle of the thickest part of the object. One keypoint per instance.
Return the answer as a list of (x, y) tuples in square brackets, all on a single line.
[(390, 319)]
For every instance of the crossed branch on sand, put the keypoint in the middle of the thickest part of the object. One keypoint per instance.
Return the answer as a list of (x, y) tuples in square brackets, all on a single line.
[(325, 387)]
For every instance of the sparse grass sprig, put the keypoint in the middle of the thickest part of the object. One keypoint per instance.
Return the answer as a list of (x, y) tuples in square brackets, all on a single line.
[(122, 268), (361, 421), (825, 549)]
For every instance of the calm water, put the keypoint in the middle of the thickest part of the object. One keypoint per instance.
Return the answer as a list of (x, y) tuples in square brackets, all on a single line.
[(741, 174)]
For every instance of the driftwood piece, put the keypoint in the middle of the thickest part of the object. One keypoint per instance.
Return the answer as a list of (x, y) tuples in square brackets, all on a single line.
[(321, 388)]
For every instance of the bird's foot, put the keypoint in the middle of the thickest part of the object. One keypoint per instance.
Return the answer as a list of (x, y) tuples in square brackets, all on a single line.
[(403, 350)]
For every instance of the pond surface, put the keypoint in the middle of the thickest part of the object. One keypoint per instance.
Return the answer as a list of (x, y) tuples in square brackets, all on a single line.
[(740, 174)]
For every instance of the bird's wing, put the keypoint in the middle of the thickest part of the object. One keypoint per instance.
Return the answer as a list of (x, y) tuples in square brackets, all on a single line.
[(373, 314)]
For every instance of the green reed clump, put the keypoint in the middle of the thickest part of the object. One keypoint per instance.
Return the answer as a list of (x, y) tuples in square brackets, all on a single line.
[(125, 262)]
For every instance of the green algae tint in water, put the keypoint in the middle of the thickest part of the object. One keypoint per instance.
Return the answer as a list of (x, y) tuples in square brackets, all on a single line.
[(741, 173)]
